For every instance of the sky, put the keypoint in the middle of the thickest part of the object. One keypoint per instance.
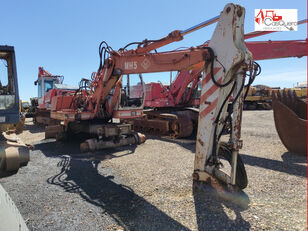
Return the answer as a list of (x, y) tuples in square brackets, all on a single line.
[(63, 35)]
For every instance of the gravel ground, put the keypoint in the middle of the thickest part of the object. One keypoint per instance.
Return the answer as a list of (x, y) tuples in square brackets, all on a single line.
[(149, 187)]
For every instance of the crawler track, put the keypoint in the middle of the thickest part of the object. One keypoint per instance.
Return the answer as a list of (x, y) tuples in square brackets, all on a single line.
[(175, 124)]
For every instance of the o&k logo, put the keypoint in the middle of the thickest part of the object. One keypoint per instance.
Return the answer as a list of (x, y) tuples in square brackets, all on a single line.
[(275, 19)]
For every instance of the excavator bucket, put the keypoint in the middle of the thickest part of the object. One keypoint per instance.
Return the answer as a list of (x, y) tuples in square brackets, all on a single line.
[(290, 115)]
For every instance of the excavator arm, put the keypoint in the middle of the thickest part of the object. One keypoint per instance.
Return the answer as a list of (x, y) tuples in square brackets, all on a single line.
[(223, 78)]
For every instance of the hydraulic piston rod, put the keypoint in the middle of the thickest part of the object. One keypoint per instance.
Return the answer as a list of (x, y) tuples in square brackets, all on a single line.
[(176, 35), (200, 25)]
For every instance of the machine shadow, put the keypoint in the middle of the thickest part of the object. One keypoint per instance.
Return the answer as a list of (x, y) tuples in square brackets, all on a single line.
[(79, 173), (219, 210), (290, 164), (290, 157), (54, 149), (33, 128), (129, 210)]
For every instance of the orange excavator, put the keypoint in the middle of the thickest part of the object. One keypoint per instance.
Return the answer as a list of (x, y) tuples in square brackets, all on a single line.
[(48, 86), (225, 62)]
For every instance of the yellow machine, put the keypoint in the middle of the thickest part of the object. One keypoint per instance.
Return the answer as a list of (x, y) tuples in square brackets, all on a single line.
[(300, 89), (258, 97), (25, 106)]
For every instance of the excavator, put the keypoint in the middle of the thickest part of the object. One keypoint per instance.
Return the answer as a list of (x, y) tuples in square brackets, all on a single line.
[(13, 153), (48, 85), (225, 62)]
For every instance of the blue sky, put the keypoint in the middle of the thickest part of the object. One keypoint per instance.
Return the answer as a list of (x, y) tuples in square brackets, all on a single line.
[(63, 35)]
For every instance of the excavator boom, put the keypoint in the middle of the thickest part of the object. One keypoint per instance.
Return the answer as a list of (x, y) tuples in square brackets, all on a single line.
[(277, 49)]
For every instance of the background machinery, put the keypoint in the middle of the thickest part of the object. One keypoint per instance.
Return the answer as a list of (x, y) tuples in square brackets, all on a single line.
[(258, 97), (13, 153), (300, 90), (25, 106), (48, 85)]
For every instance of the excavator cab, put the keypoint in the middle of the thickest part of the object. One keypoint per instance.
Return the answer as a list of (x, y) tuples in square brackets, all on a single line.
[(46, 82), (130, 95), (132, 92)]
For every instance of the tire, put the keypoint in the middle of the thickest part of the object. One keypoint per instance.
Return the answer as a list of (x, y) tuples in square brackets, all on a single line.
[(241, 176)]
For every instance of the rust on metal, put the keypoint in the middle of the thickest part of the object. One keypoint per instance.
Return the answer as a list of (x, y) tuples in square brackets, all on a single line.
[(239, 11), (238, 120), (290, 115), (201, 142), (43, 117), (94, 144), (165, 124), (52, 131), (151, 126)]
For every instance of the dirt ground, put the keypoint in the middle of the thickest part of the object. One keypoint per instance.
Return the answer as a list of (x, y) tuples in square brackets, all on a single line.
[(149, 187)]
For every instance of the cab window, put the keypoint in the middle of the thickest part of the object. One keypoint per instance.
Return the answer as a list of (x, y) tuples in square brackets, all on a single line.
[(48, 85)]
